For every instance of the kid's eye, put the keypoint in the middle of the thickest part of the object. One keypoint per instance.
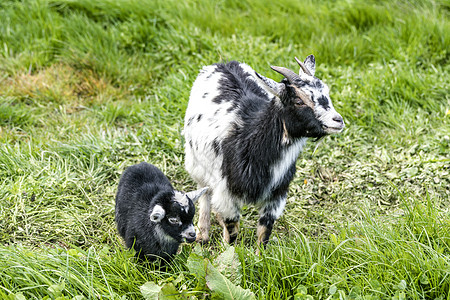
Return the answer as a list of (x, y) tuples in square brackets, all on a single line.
[(173, 221)]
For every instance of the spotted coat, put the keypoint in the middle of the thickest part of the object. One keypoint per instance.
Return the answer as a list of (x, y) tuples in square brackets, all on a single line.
[(243, 134)]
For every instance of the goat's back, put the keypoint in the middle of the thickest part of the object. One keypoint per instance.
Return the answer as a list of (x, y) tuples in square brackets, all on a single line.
[(223, 97)]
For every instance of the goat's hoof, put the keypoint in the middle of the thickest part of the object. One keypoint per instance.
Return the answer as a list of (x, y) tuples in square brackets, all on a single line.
[(232, 238), (229, 238), (261, 246), (259, 250)]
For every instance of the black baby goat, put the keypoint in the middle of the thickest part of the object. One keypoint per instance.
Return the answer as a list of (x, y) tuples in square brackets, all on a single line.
[(151, 216)]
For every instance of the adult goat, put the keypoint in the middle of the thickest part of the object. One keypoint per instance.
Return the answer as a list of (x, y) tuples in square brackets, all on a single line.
[(243, 134)]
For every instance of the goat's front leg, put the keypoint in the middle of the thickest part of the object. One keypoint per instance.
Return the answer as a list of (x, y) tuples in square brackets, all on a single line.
[(230, 227), (204, 218), (267, 216), (228, 210)]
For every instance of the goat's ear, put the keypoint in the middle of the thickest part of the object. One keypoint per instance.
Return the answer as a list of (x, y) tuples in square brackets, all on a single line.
[(157, 214), (183, 198), (310, 64), (194, 195), (273, 87)]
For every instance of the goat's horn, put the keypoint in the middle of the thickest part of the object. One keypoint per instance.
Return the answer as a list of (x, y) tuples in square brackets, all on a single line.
[(302, 65), (290, 75)]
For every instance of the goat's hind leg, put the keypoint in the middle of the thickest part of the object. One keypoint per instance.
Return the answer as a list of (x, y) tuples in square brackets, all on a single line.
[(204, 218)]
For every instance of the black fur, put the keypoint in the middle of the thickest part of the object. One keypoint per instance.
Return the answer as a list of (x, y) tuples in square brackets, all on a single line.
[(255, 142), (236, 84), (324, 102), (190, 121), (141, 187)]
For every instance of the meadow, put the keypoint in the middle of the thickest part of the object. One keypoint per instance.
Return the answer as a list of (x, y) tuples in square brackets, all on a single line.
[(88, 88)]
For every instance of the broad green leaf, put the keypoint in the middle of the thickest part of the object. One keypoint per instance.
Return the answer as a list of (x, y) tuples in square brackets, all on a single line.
[(399, 296), (180, 278), (197, 265), (411, 172), (424, 279), (150, 290), (376, 285), (332, 290), (18, 296), (302, 290), (169, 292), (223, 288), (302, 293), (402, 285), (73, 252), (229, 265), (197, 249), (355, 292), (56, 289)]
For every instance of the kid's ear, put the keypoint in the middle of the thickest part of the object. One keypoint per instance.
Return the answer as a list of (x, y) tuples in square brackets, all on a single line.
[(194, 195), (157, 214)]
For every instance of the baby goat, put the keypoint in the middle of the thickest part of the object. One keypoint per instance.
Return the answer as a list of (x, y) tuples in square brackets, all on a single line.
[(152, 217), (243, 134)]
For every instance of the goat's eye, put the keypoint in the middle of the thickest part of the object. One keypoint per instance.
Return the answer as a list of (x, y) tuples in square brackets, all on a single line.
[(174, 221), (299, 102)]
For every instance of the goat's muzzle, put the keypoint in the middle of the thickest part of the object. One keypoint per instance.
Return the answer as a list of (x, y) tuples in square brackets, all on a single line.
[(336, 125)]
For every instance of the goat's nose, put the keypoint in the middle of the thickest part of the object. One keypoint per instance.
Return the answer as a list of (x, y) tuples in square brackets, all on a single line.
[(338, 119), (190, 237)]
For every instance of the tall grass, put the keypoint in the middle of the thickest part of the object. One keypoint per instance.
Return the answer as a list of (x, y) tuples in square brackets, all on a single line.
[(88, 88)]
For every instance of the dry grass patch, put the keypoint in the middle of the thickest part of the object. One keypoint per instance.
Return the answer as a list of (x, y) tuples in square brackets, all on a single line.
[(58, 85)]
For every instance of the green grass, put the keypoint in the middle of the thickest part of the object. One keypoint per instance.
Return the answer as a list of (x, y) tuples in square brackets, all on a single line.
[(88, 88)]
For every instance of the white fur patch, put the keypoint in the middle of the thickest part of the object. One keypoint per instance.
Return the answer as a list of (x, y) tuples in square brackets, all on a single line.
[(287, 158), (164, 238), (279, 209), (215, 123), (202, 163), (224, 202)]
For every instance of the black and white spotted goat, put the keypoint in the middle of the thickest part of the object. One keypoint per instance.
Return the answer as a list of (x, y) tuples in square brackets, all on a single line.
[(243, 134), (151, 216)]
